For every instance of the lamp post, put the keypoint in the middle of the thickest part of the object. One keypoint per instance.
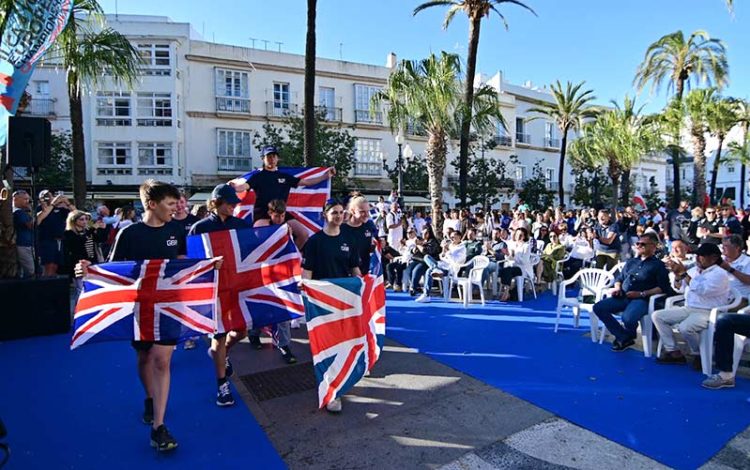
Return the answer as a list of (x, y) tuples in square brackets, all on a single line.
[(400, 142)]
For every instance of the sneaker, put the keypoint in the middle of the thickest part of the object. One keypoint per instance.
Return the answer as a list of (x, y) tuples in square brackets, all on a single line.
[(162, 440), (423, 298), (396, 288), (224, 395), (618, 346), (255, 342), (716, 381), (228, 369), (334, 406), (189, 344), (286, 353), (148, 411)]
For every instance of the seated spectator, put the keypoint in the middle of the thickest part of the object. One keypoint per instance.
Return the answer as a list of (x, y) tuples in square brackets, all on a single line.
[(737, 265), (729, 222), (553, 252), (708, 228), (473, 245), (452, 257), (708, 288), (727, 325), (640, 278), (581, 249), (517, 248), (427, 246)]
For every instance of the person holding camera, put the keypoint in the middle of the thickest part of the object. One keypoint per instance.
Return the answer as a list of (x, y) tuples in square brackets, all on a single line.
[(51, 219)]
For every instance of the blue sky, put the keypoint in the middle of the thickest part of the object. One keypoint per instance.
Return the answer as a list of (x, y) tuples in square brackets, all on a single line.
[(601, 42)]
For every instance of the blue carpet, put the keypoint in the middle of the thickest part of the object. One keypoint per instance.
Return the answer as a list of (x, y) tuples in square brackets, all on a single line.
[(81, 409), (660, 411)]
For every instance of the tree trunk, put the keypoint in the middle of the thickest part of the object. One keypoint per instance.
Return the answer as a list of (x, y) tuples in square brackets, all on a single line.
[(471, 67), (561, 168), (743, 181), (436, 151), (79, 150), (676, 193), (699, 165), (615, 186), (625, 187), (715, 172), (309, 112), (8, 254), (742, 186)]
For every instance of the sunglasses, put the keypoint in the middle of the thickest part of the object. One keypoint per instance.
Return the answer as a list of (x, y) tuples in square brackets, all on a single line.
[(641, 244)]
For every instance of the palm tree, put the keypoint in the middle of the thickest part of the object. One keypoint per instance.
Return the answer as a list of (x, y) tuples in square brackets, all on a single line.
[(741, 150), (571, 107), (475, 10), (427, 94), (681, 63), (90, 53), (721, 117), (309, 112), (697, 103)]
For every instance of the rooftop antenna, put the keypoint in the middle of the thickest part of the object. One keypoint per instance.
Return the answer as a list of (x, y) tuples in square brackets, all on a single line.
[(279, 44), (253, 42), (341, 51), (265, 43), (117, 17), (203, 30)]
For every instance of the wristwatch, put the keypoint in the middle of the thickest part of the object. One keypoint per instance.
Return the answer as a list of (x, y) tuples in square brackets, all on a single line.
[(731, 270)]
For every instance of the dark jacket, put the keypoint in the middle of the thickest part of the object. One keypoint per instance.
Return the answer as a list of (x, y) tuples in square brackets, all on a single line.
[(74, 246)]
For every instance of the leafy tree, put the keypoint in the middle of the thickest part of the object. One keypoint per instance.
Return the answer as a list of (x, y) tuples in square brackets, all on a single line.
[(681, 62), (534, 192), (721, 117), (413, 174), (427, 95), (570, 109), (653, 198), (475, 10), (335, 146), (589, 189), (697, 104), (488, 176), (59, 172)]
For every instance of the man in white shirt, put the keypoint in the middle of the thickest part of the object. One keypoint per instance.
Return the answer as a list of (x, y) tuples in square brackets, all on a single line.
[(737, 265), (393, 222), (418, 222), (708, 288)]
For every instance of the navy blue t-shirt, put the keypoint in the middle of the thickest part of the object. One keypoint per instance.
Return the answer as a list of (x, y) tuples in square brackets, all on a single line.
[(140, 241), (644, 274), (213, 223), (53, 226), (187, 222), (362, 237), (270, 185), (24, 235), (606, 231), (330, 257)]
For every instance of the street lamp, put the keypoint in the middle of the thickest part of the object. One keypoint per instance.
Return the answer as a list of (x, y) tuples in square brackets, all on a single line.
[(400, 143)]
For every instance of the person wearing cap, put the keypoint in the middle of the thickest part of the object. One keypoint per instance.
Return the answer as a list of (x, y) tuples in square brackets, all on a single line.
[(269, 184), (709, 288), (331, 254), (223, 201), (51, 217)]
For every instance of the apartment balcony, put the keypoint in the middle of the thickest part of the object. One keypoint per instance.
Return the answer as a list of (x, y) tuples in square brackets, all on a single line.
[(330, 114), (522, 138), (41, 107), (281, 109), (365, 117), (155, 170), (553, 185), (551, 143), (503, 140), (415, 129), (226, 163), (230, 104), (368, 169), (114, 170)]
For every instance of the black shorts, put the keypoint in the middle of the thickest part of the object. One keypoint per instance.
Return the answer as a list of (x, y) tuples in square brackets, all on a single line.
[(146, 345)]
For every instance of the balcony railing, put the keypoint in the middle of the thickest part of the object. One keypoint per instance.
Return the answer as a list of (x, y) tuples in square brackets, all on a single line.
[(551, 143), (503, 140), (368, 169), (553, 185), (329, 114), (415, 129), (114, 171), (234, 163), (155, 170), (281, 109), (229, 104), (365, 117), (41, 107), (522, 138)]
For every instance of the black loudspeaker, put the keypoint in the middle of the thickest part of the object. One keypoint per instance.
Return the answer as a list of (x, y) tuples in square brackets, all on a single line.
[(29, 141), (34, 307)]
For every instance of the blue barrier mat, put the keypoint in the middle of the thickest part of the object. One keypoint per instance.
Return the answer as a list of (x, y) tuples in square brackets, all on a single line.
[(658, 410), (82, 409)]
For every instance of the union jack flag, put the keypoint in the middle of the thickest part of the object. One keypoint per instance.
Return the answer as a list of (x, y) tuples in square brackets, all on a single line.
[(346, 327), (258, 278), (376, 259), (147, 300), (304, 203)]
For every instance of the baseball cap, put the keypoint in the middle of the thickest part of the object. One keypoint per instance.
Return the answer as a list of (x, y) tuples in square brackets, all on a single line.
[(708, 249), (269, 149), (226, 193)]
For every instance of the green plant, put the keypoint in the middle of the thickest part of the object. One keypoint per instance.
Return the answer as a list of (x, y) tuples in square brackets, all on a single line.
[(534, 192), (413, 174)]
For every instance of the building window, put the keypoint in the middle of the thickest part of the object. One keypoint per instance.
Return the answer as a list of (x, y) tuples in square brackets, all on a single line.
[(327, 100), (154, 158), (232, 91), (233, 149), (730, 169), (550, 140), (114, 154), (113, 108), (502, 137), (156, 59), (154, 109), (549, 176), (362, 97), (368, 158), (521, 135), (41, 88), (520, 173)]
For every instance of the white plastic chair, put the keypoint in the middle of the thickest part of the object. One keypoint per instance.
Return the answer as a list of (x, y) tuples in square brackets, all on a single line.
[(592, 281), (527, 262), (466, 284), (707, 341), (559, 273), (647, 326), (616, 269), (707, 335)]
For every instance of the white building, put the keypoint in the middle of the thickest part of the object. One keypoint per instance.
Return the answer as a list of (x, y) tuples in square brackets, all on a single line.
[(191, 117)]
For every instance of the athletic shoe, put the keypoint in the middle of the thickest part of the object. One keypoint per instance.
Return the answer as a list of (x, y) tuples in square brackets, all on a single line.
[(397, 288), (224, 395), (423, 298), (255, 342), (334, 406), (228, 369), (162, 440), (618, 346), (286, 353), (716, 381), (148, 411)]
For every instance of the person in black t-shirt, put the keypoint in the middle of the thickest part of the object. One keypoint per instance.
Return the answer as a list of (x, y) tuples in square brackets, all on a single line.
[(223, 201), (155, 237), (50, 219), (331, 254), (361, 229), (708, 228), (182, 216), (269, 184)]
